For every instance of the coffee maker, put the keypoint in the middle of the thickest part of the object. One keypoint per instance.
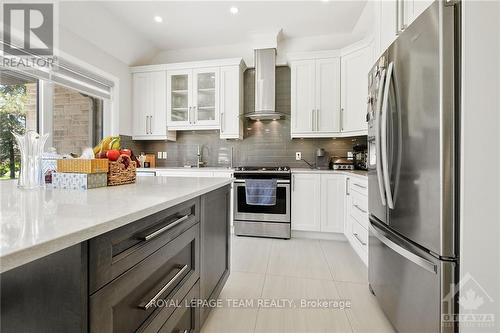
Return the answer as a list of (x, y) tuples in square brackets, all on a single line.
[(360, 156), (322, 159)]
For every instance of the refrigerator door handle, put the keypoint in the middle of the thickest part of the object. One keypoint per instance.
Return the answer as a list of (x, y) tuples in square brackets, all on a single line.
[(415, 258), (383, 141), (377, 138)]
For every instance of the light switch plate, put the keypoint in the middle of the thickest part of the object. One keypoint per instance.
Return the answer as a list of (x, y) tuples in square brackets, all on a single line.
[(298, 156), (159, 155), (164, 155)]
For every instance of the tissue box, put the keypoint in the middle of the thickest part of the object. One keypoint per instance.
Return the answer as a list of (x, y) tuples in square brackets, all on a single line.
[(79, 181), (83, 166), (49, 166)]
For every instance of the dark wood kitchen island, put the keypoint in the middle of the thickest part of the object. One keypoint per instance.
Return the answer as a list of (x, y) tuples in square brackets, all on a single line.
[(134, 258)]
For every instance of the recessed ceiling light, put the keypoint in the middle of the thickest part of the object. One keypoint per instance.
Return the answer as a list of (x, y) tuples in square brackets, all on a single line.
[(158, 19), (234, 10), (325, 0)]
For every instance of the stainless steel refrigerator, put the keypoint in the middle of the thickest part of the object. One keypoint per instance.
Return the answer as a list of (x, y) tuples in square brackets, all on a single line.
[(413, 118)]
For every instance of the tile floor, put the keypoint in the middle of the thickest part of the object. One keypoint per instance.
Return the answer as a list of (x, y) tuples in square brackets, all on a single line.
[(295, 269)]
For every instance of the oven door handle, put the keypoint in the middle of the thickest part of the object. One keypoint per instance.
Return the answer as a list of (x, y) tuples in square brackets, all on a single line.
[(279, 181)]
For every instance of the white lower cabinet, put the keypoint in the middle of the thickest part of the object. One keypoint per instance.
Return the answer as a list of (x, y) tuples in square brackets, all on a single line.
[(306, 192), (318, 202), (356, 217)]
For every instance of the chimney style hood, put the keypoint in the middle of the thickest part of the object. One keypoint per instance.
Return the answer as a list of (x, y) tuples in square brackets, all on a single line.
[(265, 80)]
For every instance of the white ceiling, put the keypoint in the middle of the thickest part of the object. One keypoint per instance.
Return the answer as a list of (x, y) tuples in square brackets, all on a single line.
[(190, 24)]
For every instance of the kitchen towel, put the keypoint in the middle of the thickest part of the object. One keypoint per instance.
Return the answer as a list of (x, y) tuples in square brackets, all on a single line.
[(261, 192)]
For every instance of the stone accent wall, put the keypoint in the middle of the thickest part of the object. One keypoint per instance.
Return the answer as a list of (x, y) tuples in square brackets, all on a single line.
[(71, 120)]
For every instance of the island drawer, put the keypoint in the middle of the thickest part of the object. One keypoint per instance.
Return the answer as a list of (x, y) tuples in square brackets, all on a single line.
[(117, 251), (186, 317), (146, 296)]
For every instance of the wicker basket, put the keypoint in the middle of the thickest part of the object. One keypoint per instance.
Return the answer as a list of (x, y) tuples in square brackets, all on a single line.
[(82, 166), (122, 171)]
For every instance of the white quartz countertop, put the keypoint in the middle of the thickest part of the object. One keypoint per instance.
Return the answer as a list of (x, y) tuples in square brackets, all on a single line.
[(36, 223), (358, 173), (209, 169)]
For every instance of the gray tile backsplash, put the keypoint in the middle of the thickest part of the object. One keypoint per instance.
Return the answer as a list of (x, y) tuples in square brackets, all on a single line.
[(265, 143)]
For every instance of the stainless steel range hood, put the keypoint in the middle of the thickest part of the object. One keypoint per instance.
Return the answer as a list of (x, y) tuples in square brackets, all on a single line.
[(265, 79)]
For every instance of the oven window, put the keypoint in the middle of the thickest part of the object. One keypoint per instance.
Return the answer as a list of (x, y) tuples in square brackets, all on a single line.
[(279, 208)]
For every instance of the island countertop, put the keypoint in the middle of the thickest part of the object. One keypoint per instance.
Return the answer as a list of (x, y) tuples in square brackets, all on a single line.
[(36, 223)]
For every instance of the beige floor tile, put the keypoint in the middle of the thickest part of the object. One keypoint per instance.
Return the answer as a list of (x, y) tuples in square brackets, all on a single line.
[(250, 254), (230, 320), (365, 314), (243, 285), (344, 263), (300, 317), (298, 257)]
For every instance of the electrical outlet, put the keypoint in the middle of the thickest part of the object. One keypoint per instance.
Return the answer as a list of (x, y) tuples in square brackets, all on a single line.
[(164, 155), (159, 155), (298, 156)]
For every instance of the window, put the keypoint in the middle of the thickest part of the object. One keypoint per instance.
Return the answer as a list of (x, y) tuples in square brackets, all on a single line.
[(18, 113)]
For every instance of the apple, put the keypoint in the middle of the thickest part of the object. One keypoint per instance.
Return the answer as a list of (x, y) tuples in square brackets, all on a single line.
[(113, 154), (126, 151), (101, 154)]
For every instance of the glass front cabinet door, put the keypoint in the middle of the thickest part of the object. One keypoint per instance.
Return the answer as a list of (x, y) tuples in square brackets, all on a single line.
[(193, 99)]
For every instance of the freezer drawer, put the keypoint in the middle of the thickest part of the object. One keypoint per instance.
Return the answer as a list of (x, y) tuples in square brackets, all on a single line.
[(408, 283)]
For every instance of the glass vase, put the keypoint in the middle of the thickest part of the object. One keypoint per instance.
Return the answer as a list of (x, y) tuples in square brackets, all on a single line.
[(31, 149)]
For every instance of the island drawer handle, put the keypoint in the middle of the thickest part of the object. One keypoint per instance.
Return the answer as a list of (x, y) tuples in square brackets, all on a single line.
[(361, 186), (147, 304), (359, 239), (164, 229), (359, 208)]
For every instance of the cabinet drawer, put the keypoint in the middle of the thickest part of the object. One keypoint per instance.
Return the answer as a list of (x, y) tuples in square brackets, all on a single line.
[(185, 318), (360, 235), (113, 253), (358, 185), (127, 304), (359, 208)]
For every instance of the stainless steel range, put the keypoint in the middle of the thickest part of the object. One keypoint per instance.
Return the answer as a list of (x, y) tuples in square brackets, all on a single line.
[(262, 220)]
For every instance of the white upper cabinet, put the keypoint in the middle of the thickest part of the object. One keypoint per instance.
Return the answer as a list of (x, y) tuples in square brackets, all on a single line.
[(394, 16), (315, 89), (202, 95), (355, 67), (193, 99), (231, 102), (148, 104)]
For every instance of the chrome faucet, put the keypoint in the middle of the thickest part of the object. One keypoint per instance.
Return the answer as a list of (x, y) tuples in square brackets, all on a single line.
[(200, 163)]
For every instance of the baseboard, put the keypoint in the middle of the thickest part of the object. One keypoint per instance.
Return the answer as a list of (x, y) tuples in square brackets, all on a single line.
[(319, 235)]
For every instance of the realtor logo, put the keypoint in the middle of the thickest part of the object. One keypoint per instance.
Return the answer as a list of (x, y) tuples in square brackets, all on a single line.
[(32, 23)]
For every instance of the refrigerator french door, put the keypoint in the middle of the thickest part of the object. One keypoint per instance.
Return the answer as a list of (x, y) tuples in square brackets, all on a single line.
[(412, 173)]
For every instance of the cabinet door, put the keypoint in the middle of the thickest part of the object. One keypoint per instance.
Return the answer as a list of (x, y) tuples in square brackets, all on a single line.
[(327, 114), (206, 96), (230, 103), (333, 193), (355, 67), (158, 112), (303, 96), (305, 202), (387, 23), (179, 100), (141, 103)]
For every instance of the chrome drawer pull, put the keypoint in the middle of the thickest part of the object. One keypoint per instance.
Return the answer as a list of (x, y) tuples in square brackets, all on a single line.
[(164, 229), (360, 186), (359, 208), (146, 305), (359, 239)]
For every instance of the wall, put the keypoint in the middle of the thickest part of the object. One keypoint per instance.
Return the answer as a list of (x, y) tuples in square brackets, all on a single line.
[(266, 143), (480, 179)]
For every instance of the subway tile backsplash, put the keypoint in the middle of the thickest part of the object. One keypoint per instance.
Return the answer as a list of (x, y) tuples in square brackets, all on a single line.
[(265, 143)]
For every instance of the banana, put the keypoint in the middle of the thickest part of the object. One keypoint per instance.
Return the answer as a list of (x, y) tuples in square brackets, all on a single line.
[(107, 143)]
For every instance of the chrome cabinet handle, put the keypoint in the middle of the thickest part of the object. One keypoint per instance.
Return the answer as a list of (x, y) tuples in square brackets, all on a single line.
[(347, 181), (189, 114), (360, 209), (147, 132), (222, 122), (359, 239), (147, 304), (360, 186), (341, 119), (397, 17), (150, 124), (164, 229), (402, 24)]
